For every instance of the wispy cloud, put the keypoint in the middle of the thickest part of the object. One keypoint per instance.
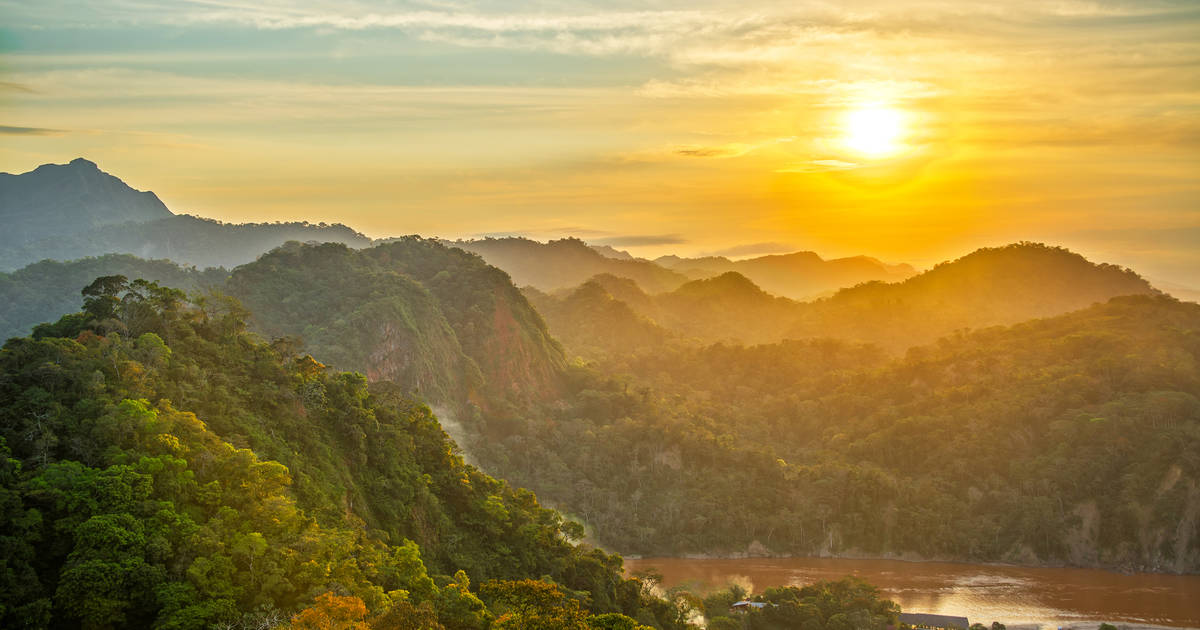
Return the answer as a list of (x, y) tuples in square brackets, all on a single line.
[(817, 166), (640, 240), (724, 151), (753, 249), (8, 86), (30, 131), (785, 84)]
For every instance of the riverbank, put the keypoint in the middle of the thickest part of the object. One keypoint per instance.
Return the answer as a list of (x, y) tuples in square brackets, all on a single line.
[(1018, 596), (1096, 626)]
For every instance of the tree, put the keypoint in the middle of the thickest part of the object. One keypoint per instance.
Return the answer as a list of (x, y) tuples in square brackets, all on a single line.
[(331, 612), (533, 605)]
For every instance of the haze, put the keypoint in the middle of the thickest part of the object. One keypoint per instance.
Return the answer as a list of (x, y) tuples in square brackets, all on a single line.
[(911, 131)]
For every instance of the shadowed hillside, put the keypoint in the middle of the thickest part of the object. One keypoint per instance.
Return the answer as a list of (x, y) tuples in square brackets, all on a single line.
[(184, 239), (1061, 440), (431, 318), (56, 200), (435, 320), (46, 290)]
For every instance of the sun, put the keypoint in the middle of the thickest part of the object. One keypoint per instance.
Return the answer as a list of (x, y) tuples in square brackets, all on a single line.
[(873, 131)]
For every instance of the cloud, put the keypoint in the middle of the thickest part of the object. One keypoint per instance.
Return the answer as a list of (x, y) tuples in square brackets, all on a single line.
[(723, 151), (817, 166), (29, 131), (545, 233), (751, 249), (636, 240), (786, 84), (593, 237), (8, 86)]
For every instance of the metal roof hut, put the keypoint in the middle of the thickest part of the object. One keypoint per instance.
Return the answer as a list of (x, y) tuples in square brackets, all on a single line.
[(746, 605), (940, 622)]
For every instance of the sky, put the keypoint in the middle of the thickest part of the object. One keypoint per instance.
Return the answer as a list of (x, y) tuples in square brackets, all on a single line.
[(909, 131)]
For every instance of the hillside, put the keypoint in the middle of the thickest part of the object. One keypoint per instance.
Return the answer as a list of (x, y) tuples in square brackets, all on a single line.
[(595, 324), (55, 200), (162, 468), (436, 321), (184, 239), (799, 275), (566, 263), (1065, 440), (989, 287), (48, 289), (431, 318), (727, 307)]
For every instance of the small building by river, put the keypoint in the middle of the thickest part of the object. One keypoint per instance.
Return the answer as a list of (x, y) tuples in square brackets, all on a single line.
[(936, 622)]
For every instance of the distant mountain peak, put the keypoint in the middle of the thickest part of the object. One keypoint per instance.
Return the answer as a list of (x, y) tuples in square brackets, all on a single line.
[(729, 283), (608, 251), (58, 200)]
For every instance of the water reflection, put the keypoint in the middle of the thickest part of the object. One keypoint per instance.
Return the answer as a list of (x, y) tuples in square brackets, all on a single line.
[(1047, 598)]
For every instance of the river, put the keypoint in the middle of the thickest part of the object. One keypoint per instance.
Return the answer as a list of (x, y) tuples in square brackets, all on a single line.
[(1048, 598)]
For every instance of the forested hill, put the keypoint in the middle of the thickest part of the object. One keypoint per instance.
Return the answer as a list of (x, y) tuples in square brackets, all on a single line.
[(415, 312), (434, 320), (56, 200), (184, 239), (565, 263), (71, 211), (1067, 440), (989, 287), (599, 323), (48, 289), (161, 468)]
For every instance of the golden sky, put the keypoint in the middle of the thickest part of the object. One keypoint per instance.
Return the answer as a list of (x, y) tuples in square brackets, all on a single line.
[(909, 131)]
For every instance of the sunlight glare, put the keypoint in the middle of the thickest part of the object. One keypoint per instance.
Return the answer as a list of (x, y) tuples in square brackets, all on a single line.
[(873, 131)]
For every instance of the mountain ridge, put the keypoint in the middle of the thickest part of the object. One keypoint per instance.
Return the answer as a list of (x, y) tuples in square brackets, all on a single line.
[(75, 210), (987, 287), (54, 199)]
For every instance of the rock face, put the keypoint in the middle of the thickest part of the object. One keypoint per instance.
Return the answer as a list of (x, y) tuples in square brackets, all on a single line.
[(62, 199)]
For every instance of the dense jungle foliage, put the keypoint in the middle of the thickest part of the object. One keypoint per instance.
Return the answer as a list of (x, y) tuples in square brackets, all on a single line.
[(163, 468), (846, 604), (48, 289), (1061, 440)]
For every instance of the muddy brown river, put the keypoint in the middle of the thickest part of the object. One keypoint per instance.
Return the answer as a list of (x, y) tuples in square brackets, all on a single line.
[(1049, 598)]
